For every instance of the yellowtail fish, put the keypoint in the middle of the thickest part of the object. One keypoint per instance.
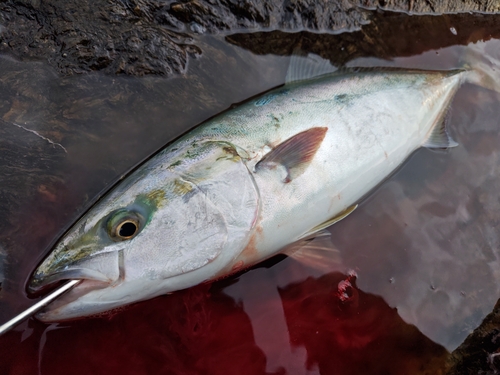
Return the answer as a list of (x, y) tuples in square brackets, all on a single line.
[(247, 184)]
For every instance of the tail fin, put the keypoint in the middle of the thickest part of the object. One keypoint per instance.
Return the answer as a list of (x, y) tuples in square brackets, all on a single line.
[(483, 62)]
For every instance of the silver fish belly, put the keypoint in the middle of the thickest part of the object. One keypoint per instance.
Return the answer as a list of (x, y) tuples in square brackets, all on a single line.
[(246, 184)]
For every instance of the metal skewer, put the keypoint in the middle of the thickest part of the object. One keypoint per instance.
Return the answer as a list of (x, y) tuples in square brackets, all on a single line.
[(37, 306)]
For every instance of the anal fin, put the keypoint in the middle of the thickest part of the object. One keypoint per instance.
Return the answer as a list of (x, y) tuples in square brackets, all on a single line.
[(331, 221), (439, 137)]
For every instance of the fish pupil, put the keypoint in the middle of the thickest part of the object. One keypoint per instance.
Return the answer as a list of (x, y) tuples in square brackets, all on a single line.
[(127, 229)]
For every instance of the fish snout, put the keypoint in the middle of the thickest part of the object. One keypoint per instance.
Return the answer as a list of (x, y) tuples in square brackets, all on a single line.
[(102, 270), (41, 280)]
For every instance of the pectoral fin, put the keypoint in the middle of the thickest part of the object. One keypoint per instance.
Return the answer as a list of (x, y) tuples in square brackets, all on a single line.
[(296, 153)]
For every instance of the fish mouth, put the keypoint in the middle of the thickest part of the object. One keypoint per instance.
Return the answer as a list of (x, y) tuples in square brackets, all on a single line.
[(106, 268), (41, 282), (96, 273), (52, 312)]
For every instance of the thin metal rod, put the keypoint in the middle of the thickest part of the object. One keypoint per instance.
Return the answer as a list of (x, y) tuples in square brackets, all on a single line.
[(37, 306)]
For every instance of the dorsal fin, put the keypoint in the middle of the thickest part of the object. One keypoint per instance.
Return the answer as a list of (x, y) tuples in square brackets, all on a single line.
[(295, 153), (304, 67)]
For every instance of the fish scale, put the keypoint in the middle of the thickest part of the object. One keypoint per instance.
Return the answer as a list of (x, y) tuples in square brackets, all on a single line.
[(246, 185)]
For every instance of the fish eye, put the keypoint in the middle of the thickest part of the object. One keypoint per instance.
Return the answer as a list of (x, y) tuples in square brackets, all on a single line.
[(127, 229), (124, 225)]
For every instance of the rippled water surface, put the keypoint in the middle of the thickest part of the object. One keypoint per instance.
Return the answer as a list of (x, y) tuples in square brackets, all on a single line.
[(420, 256)]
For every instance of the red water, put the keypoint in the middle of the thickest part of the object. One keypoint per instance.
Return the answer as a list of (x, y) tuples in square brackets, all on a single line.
[(322, 324), (426, 241)]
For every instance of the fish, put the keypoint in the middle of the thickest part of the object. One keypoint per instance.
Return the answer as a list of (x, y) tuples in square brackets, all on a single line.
[(263, 177)]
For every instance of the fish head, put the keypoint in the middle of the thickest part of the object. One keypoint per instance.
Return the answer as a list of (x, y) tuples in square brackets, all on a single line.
[(166, 227)]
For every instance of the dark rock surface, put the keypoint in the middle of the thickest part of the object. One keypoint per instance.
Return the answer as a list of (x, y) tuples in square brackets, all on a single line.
[(381, 38), (141, 37), (480, 352), (44, 113), (80, 36)]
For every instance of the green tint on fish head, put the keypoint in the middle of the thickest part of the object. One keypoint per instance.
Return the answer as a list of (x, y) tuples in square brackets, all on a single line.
[(94, 238), (175, 222)]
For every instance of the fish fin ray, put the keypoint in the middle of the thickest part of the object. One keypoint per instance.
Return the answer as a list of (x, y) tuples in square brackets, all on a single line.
[(331, 221), (482, 65), (296, 153), (303, 67), (439, 137), (317, 252)]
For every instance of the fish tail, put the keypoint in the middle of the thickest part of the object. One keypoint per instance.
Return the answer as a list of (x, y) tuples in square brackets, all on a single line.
[(482, 60)]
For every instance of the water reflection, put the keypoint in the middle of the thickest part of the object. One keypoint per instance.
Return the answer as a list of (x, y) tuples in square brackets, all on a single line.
[(104, 126), (433, 228), (426, 241), (301, 327)]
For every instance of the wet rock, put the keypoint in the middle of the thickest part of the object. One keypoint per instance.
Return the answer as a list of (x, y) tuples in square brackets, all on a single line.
[(388, 35), (41, 118), (324, 15), (437, 6), (144, 37), (480, 352), (3, 265), (83, 36)]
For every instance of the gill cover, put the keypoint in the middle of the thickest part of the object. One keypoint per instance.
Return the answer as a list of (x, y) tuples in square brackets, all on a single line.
[(180, 212)]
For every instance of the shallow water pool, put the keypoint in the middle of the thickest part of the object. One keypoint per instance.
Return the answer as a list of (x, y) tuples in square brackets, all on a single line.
[(420, 257)]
